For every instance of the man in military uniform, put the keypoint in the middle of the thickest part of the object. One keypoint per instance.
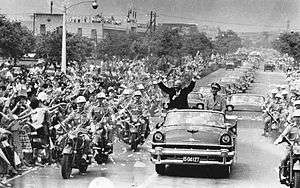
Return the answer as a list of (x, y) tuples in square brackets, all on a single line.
[(292, 132), (139, 109), (99, 116), (79, 118), (215, 101)]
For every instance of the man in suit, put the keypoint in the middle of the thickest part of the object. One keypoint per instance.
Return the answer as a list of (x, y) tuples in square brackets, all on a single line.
[(178, 94)]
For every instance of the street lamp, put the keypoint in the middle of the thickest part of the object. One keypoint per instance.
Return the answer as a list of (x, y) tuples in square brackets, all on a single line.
[(64, 32)]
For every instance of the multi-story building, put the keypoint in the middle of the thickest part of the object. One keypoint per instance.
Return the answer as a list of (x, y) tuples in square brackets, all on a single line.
[(96, 27)]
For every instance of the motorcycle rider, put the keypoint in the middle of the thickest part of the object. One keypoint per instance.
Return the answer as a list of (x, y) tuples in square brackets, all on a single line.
[(99, 117), (215, 101), (138, 108), (292, 132), (79, 118), (271, 97)]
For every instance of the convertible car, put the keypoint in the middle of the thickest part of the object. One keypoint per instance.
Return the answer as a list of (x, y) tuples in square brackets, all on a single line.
[(194, 137), (245, 102)]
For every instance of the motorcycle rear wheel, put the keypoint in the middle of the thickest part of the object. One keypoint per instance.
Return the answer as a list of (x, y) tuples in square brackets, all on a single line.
[(297, 179), (66, 166)]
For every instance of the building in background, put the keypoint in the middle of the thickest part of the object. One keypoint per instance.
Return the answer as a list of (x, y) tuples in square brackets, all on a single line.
[(94, 27)]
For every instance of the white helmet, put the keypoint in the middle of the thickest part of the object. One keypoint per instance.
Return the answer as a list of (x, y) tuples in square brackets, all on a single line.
[(101, 95), (137, 93), (127, 91), (278, 95), (296, 113), (284, 92), (297, 102), (274, 91), (140, 87), (42, 96), (80, 99)]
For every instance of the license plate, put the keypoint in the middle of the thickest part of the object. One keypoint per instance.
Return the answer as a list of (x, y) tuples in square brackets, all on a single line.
[(188, 159)]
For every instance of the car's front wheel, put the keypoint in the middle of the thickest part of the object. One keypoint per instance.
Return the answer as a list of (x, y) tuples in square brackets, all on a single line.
[(160, 169)]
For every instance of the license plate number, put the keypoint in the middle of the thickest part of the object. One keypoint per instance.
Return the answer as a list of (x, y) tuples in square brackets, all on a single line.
[(188, 159)]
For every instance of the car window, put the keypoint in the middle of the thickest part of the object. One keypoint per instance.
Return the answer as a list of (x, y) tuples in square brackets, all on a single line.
[(195, 119)]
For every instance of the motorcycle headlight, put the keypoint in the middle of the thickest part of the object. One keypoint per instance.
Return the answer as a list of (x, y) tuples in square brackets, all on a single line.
[(158, 137), (225, 139)]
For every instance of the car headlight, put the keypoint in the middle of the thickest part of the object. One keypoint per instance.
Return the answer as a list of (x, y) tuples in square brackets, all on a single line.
[(158, 137), (225, 139)]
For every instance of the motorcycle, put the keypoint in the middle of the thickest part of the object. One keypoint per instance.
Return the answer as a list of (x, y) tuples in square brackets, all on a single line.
[(293, 165), (131, 131), (103, 147), (273, 124), (73, 152)]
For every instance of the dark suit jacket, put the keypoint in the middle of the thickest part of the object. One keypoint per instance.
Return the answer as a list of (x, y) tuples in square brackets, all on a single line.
[(180, 101)]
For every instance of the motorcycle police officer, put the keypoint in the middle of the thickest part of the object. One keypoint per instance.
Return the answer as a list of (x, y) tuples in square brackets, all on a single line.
[(292, 132), (80, 117), (215, 101), (138, 108), (99, 117)]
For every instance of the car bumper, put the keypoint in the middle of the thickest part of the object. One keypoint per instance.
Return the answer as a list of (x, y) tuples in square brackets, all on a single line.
[(158, 156)]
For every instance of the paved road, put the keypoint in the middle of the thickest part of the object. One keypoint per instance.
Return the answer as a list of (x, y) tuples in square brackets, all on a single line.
[(256, 166)]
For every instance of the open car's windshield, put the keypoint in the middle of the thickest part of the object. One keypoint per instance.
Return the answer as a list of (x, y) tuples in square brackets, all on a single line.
[(245, 99), (194, 96), (205, 91), (195, 119)]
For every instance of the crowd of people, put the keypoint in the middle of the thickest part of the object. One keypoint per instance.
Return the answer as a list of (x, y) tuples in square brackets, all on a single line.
[(33, 100), (282, 114)]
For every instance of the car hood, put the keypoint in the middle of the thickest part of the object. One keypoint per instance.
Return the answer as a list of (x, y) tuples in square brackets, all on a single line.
[(193, 134)]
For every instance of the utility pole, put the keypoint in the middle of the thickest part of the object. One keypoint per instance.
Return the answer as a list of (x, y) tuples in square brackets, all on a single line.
[(154, 21), (288, 25), (151, 21)]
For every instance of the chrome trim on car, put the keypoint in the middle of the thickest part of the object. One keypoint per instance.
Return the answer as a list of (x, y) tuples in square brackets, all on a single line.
[(191, 152), (189, 144), (178, 162), (159, 152)]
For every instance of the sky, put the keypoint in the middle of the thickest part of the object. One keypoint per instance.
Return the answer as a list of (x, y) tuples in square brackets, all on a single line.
[(238, 15)]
